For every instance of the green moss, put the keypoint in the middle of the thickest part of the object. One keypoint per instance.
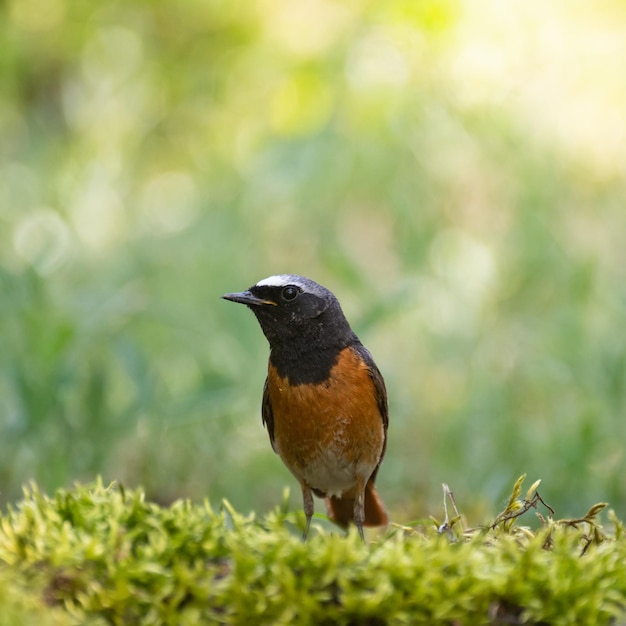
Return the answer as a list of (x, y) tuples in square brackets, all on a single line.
[(98, 554), (24, 604)]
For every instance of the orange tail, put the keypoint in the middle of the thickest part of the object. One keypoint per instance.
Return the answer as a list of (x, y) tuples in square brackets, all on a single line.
[(341, 510)]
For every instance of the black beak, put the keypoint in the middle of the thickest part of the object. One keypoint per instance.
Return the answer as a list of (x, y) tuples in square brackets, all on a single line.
[(246, 297)]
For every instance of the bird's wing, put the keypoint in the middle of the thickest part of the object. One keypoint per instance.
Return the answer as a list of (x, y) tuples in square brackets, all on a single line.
[(267, 414), (381, 395)]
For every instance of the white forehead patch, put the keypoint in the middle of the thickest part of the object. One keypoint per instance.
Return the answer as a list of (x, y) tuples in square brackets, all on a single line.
[(280, 280), (306, 284)]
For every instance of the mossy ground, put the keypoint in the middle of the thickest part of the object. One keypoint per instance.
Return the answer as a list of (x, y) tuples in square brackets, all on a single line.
[(104, 555)]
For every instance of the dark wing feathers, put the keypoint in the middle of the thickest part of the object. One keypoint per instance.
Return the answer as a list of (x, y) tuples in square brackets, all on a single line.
[(267, 414), (381, 395), (377, 379)]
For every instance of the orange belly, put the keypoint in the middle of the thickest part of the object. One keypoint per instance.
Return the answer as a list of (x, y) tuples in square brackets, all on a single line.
[(331, 434)]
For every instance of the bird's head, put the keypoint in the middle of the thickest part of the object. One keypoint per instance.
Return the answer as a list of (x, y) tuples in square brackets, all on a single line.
[(294, 308)]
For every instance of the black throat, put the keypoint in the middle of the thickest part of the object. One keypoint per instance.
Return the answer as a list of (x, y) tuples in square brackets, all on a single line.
[(305, 353), (301, 368)]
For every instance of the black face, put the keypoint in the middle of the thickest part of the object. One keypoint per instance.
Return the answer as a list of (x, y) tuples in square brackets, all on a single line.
[(289, 304), (299, 317)]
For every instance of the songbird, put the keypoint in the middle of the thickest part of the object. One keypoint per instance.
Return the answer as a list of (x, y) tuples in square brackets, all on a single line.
[(324, 400)]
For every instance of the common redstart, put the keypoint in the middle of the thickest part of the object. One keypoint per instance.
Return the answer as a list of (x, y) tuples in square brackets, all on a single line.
[(324, 400)]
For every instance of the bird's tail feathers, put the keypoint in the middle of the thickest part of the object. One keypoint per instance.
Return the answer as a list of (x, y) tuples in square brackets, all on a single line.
[(341, 510)]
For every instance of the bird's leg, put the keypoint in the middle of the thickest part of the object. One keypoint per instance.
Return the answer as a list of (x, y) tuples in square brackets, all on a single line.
[(359, 506), (309, 507)]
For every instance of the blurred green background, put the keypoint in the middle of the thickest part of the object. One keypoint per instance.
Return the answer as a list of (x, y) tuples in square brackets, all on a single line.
[(454, 170)]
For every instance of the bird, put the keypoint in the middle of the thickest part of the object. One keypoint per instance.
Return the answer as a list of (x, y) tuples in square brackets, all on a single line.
[(324, 400)]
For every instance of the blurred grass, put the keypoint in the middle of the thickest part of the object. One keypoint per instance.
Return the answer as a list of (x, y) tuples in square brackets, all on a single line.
[(459, 185)]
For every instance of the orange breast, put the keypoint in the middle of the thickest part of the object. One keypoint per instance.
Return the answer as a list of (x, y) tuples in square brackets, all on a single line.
[(328, 434)]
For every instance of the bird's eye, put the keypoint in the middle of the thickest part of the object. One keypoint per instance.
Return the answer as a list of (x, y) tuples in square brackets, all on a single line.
[(290, 292)]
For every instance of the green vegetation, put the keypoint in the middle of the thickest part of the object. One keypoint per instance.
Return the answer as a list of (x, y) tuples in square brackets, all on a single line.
[(99, 555), (454, 173)]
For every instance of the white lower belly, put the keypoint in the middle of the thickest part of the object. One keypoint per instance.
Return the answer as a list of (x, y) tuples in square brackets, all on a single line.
[(329, 475)]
